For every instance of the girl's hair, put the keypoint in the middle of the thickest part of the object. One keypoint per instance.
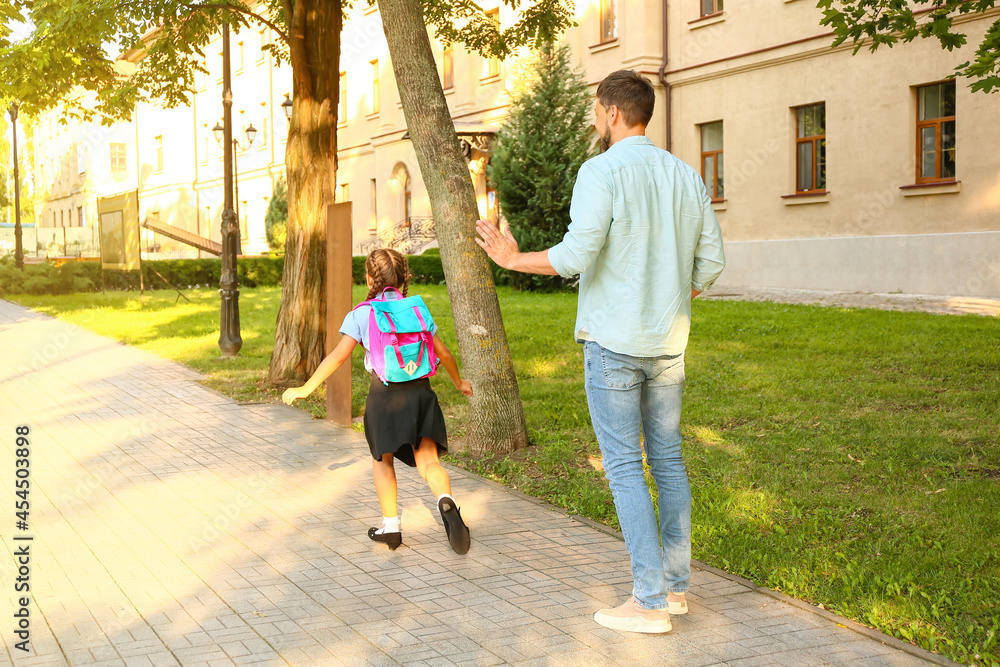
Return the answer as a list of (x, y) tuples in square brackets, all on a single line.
[(387, 268)]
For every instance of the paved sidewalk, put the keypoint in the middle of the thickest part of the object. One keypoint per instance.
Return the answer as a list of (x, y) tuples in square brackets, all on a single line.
[(927, 303), (173, 525)]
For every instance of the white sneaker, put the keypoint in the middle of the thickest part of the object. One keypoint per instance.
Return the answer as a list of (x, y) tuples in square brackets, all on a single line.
[(677, 607), (633, 617)]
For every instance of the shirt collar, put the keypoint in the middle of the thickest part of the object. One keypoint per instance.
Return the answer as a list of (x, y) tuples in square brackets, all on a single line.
[(637, 140)]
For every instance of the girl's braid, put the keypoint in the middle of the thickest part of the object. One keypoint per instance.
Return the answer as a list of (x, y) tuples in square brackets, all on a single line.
[(400, 264), (387, 268)]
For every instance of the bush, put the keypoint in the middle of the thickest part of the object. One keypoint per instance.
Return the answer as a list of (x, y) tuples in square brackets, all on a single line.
[(85, 276), (276, 218), (45, 278)]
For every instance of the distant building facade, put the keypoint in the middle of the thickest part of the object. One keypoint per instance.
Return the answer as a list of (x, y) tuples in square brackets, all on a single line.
[(871, 172)]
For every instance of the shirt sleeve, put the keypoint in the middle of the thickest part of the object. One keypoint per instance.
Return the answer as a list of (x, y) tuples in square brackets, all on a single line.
[(590, 219), (709, 258), (351, 327)]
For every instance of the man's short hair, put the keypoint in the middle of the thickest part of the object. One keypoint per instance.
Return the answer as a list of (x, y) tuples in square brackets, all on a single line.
[(632, 93)]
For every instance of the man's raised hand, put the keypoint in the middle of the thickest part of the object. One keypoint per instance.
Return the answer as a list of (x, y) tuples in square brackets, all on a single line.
[(500, 246)]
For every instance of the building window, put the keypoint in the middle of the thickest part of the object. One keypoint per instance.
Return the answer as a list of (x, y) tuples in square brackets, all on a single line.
[(448, 67), (609, 29), (345, 192), (239, 57), (201, 78), (936, 132), (493, 63), (709, 7), (373, 218), (79, 216), (262, 132), (118, 157), (159, 153), (711, 160), (62, 218), (342, 101), (810, 149), (375, 96), (262, 42), (407, 202)]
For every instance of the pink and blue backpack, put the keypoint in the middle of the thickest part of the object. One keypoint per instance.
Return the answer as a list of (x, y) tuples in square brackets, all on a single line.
[(400, 338)]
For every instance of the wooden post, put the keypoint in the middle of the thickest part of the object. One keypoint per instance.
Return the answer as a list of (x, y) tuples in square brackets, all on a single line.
[(339, 301)]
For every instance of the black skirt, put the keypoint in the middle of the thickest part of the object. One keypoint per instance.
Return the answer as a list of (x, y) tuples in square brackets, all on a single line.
[(399, 415)]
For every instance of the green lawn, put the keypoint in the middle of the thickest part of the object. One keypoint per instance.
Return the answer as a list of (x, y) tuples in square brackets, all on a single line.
[(845, 457)]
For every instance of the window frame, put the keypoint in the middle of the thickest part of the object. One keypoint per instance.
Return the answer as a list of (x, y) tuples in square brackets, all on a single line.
[(814, 139), (159, 152), (448, 67), (713, 192), (376, 102), (492, 62), (938, 153), (718, 6), (342, 101), (115, 159), (607, 7), (262, 43)]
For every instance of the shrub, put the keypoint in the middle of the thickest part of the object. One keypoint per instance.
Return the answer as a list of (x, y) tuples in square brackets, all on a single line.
[(276, 218)]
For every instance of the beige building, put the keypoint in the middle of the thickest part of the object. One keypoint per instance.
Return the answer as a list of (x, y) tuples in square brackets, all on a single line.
[(830, 171)]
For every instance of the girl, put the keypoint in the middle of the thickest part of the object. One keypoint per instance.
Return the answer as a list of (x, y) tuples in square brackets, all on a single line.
[(402, 420)]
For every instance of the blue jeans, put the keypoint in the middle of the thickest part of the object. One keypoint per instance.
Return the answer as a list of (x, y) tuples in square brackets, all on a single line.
[(624, 393)]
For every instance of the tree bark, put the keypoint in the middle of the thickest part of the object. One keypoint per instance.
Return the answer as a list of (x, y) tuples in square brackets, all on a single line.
[(496, 416), (311, 165)]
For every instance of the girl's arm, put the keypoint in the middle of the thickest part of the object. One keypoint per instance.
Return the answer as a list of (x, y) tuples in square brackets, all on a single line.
[(327, 367), (448, 361)]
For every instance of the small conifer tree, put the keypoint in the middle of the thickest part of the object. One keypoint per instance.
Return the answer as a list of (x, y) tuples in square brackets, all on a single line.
[(276, 218), (538, 154)]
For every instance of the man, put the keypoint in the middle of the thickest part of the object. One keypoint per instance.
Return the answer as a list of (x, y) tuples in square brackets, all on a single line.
[(645, 241)]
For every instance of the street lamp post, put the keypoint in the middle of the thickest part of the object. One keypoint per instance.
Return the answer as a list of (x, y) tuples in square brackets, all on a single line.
[(18, 248), (250, 132), (230, 341)]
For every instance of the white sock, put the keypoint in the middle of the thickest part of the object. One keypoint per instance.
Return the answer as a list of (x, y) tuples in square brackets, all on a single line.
[(447, 495), (389, 525)]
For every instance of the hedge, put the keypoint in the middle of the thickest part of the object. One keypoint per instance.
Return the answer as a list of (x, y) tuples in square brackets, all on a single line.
[(85, 275)]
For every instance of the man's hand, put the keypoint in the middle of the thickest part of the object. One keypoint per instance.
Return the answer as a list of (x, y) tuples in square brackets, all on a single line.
[(500, 246)]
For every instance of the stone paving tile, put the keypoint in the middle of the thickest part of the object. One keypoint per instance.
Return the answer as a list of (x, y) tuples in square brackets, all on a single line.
[(175, 526)]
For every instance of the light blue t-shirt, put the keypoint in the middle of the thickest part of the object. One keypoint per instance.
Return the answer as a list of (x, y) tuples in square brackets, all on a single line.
[(356, 326)]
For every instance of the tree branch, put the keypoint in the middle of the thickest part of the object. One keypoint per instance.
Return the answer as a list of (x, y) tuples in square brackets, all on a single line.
[(246, 12)]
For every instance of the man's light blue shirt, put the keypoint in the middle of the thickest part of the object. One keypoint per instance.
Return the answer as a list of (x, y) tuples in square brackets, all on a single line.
[(642, 235)]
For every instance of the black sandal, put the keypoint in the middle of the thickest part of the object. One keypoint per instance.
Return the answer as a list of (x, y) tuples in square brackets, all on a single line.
[(393, 540), (454, 527)]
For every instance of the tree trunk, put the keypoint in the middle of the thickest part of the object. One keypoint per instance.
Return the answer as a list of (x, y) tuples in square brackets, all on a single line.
[(311, 163), (496, 417)]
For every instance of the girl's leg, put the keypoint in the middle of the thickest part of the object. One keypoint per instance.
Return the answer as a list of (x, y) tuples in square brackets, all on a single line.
[(385, 484), (430, 468)]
